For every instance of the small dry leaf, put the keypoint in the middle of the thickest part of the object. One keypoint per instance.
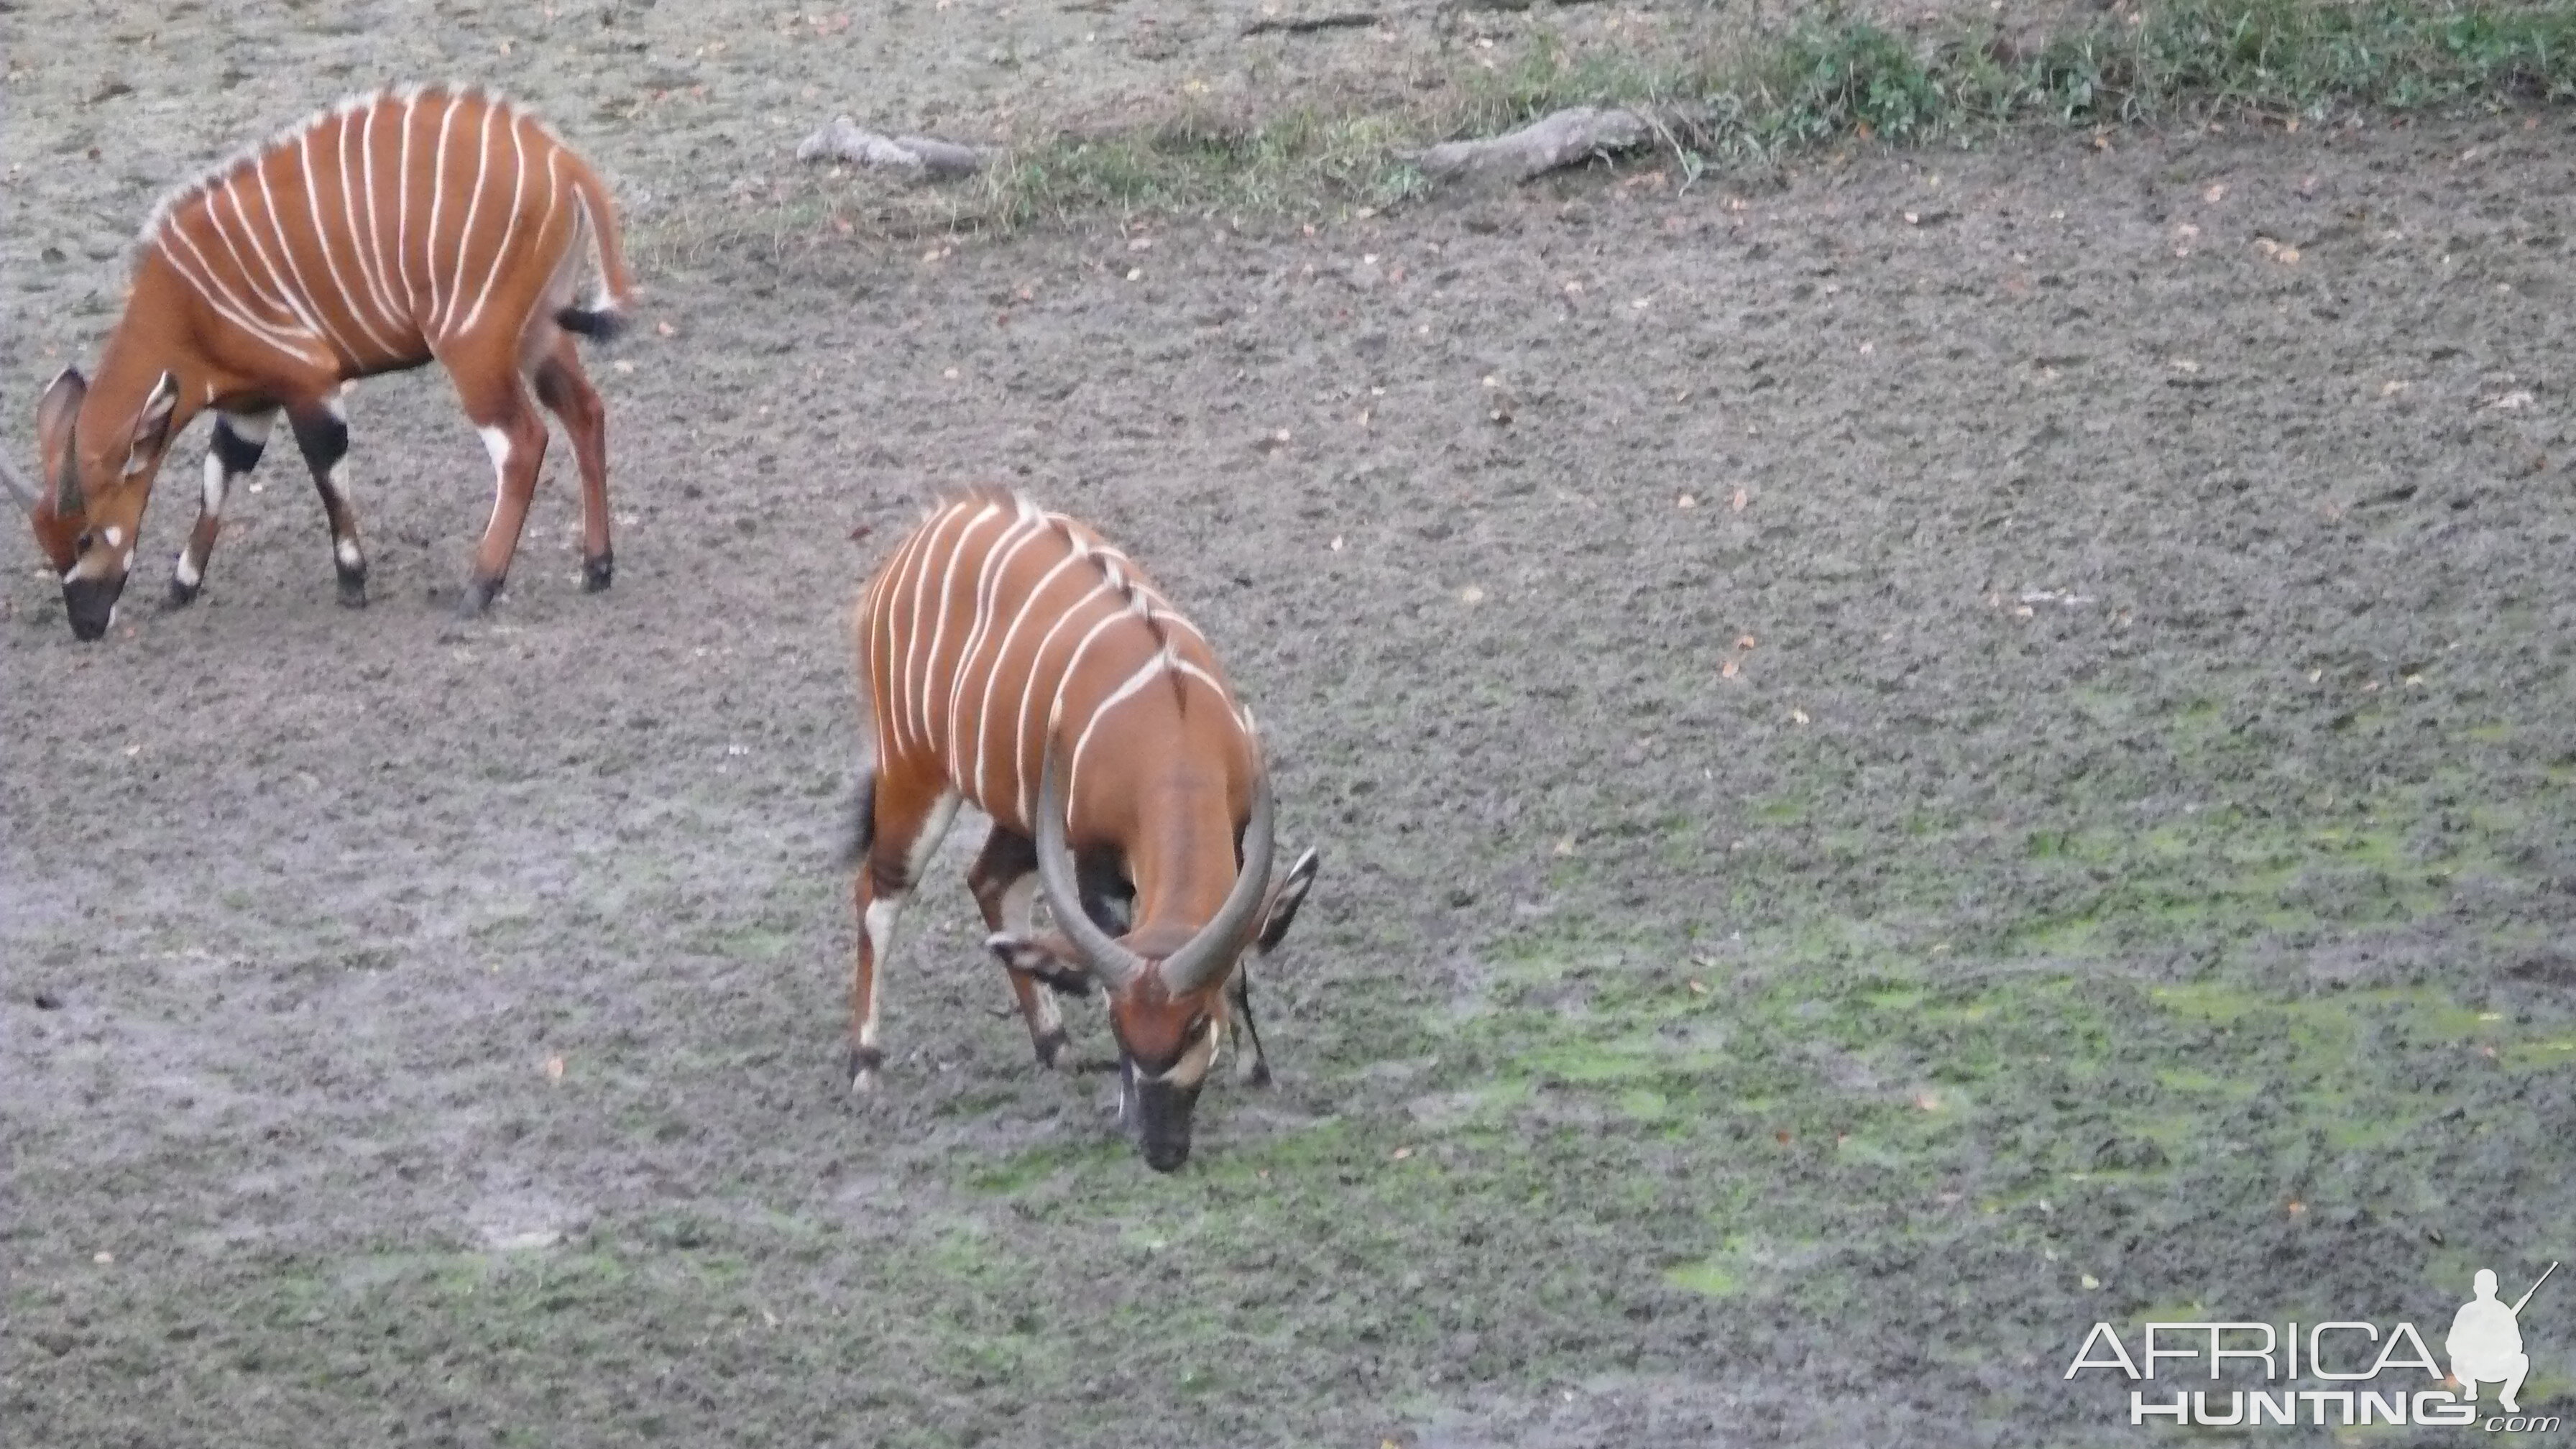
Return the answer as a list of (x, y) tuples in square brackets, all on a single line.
[(2393, 387), (1028, 294), (1698, 987), (1686, 501), (1913, 219), (950, 374), (1564, 845), (132, 750), (1799, 715), (1783, 1136), (623, 365), (1401, 1153), (1337, 543), (102, 1259), (1743, 641), (1726, 670), (2185, 365), (666, 329), (2090, 1282), (1135, 274), (1739, 500), (1471, 595), (2217, 191), (554, 1069), (2297, 1207), (862, 531)]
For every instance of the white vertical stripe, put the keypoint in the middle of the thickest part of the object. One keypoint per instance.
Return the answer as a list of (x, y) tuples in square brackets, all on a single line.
[(957, 555), (993, 677), (912, 692), (302, 295), (322, 239), (209, 285), (402, 215), (510, 233), (1133, 609), (1028, 692), (889, 691), (455, 271), (1146, 674), (241, 265), (357, 181), (429, 273), (1028, 527)]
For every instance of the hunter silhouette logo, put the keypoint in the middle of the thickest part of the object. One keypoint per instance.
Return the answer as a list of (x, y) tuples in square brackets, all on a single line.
[(2335, 1373), (2486, 1341)]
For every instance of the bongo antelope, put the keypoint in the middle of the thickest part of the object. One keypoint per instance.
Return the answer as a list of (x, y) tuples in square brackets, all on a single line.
[(1012, 660), (388, 231)]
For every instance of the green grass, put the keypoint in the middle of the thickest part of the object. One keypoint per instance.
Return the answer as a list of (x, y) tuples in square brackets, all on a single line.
[(1738, 98)]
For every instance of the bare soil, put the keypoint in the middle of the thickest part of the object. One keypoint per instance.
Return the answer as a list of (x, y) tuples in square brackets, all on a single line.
[(1909, 758)]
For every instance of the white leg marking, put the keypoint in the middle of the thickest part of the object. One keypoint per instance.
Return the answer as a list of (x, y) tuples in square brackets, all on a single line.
[(933, 831), (187, 571), (346, 551), (882, 914), (1019, 904), (496, 441)]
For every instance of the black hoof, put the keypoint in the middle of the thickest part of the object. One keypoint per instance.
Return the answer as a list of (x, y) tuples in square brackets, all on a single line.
[(865, 1063), (1052, 1048), (180, 595), (479, 594), (596, 573), (353, 588), (1259, 1076)]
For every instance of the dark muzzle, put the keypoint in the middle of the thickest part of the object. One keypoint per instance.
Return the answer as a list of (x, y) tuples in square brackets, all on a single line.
[(1157, 1115), (91, 603)]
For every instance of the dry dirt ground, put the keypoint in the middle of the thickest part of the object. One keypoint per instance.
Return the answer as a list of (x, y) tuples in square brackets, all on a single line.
[(1909, 758)]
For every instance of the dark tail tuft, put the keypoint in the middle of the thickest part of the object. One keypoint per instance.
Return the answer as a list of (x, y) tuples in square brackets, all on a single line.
[(598, 325), (862, 830)]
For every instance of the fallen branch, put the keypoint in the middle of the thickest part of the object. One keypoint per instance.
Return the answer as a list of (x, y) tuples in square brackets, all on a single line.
[(1561, 139), (843, 140), (1307, 25)]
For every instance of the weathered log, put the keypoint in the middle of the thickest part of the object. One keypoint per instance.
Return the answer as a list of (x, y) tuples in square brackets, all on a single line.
[(845, 140), (1561, 139), (1309, 24)]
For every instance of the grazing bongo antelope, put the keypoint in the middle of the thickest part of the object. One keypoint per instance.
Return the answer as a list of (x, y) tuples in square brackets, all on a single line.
[(387, 231), (1012, 659)]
